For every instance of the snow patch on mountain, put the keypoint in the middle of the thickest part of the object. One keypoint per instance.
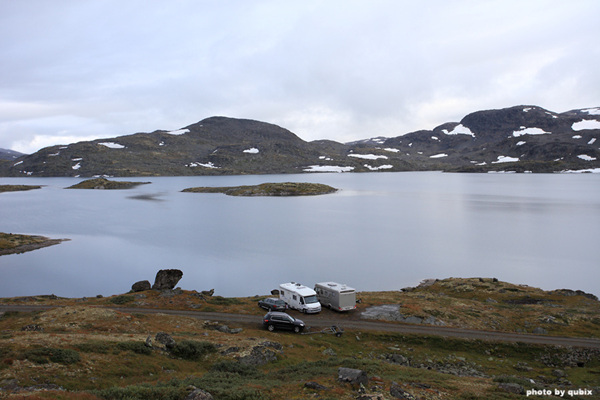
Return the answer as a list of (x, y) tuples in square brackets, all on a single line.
[(586, 124), (530, 131)]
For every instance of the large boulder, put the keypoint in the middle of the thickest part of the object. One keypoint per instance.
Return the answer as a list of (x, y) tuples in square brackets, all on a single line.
[(353, 376), (141, 286), (199, 394), (165, 340), (166, 279)]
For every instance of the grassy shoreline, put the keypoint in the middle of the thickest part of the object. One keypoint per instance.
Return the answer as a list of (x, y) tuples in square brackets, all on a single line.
[(11, 243)]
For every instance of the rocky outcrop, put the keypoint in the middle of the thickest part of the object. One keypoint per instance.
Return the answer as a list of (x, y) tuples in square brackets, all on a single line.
[(261, 354), (353, 376), (391, 312), (166, 279), (141, 286)]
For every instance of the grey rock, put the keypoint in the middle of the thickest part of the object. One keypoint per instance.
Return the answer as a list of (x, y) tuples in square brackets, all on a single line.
[(353, 376), (512, 388), (32, 328), (397, 359), (165, 339), (315, 386), (329, 352), (167, 279), (413, 320), (260, 355), (540, 331), (397, 392), (208, 293), (141, 286), (199, 394)]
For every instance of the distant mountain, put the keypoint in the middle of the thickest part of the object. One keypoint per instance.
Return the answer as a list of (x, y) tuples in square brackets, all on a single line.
[(9, 154), (521, 138)]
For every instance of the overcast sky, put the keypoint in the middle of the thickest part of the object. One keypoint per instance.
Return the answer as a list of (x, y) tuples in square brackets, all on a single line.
[(73, 70)]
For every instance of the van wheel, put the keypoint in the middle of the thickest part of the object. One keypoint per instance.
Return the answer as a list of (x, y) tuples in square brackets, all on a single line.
[(303, 311), (270, 328), (296, 329)]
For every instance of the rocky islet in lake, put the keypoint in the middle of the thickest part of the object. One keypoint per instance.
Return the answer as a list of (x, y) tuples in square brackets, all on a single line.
[(268, 189)]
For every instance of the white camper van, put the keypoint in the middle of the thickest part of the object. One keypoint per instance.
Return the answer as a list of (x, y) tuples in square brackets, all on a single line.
[(336, 296), (300, 297)]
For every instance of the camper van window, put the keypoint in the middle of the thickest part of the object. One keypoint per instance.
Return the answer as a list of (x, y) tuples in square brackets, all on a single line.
[(311, 299), (301, 300), (294, 297), (283, 293)]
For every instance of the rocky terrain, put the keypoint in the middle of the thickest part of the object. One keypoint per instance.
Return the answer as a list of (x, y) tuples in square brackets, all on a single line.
[(81, 349), (515, 139), (9, 154)]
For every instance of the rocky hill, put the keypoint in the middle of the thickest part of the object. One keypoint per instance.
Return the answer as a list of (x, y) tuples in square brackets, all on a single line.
[(9, 154), (521, 139)]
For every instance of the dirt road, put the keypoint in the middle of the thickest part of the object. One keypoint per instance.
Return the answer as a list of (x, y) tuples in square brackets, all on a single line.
[(353, 326)]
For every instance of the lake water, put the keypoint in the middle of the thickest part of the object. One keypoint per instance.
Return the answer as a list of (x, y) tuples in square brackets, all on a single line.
[(381, 231)]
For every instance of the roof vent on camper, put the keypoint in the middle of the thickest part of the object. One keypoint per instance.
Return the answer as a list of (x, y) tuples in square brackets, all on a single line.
[(331, 284)]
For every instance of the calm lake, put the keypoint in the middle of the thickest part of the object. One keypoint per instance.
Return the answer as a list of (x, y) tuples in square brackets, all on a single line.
[(381, 231)]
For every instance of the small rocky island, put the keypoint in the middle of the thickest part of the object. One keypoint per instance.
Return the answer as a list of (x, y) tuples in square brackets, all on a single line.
[(17, 188), (11, 243), (269, 189), (103, 183)]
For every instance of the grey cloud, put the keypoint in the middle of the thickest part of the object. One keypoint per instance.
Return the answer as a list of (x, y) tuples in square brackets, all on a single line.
[(341, 70)]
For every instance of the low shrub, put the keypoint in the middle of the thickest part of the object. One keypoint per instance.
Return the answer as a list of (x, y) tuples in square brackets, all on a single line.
[(235, 367), (122, 299), (142, 392), (94, 347), (46, 355), (192, 350), (223, 301), (135, 346)]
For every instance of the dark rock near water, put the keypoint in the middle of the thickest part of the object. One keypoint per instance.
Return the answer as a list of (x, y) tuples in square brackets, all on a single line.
[(167, 279), (141, 286)]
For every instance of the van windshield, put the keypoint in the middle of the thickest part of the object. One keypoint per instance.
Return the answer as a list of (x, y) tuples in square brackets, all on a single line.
[(311, 299)]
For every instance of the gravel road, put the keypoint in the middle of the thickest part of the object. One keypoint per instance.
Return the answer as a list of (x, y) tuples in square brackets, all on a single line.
[(353, 326)]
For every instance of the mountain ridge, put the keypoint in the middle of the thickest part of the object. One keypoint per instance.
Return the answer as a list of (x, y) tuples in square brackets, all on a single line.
[(523, 138)]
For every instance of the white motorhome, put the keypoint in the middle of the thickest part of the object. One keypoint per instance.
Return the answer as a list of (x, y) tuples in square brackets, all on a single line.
[(300, 297), (336, 296)]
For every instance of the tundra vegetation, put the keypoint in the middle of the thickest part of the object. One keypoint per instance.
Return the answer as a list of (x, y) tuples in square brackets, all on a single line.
[(83, 350)]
